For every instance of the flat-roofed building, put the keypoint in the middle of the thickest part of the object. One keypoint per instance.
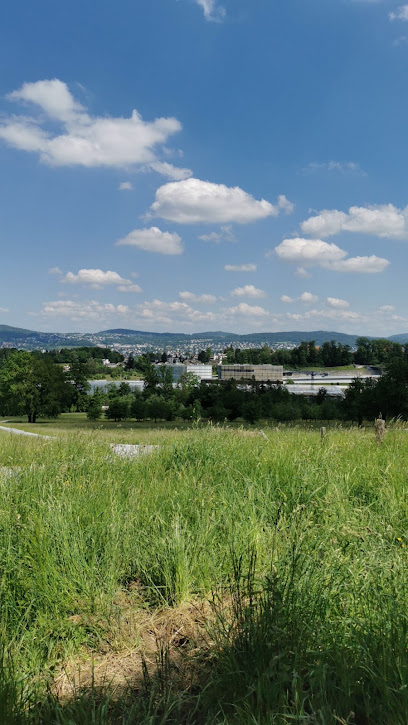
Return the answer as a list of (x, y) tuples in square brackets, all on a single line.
[(259, 373), (203, 372)]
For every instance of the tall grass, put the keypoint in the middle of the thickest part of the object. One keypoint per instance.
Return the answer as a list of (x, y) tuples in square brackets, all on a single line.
[(302, 546)]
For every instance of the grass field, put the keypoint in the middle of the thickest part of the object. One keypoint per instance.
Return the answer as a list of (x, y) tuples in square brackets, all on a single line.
[(224, 578)]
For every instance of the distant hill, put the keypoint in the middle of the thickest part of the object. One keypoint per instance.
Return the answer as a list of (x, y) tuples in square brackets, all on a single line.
[(31, 339), (402, 338)]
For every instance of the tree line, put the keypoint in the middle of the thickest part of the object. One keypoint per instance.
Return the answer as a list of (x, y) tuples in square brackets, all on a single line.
[(32, 384), (231, 400), (330, 354)]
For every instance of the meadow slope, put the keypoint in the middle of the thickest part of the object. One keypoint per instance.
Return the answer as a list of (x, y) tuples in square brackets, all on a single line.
[(270, 576)]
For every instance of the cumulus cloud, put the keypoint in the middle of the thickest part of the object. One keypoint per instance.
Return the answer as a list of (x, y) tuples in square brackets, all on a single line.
[(247, 310), (94, 278), (82, 139), (328, 313), (333, 314), (400, 13), (212, 12), (315, 252), (125, 186), (55, 270), (153, 240), (193, 201), (240, 267), (248, 291), (364, 265), (75, 310), (337, 303), (383, 220), (307, 298), (191, 297), (308, 251), (158, 311), (387, 308)]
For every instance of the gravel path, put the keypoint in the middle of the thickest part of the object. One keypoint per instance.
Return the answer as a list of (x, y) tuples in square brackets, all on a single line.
[(19, 432)]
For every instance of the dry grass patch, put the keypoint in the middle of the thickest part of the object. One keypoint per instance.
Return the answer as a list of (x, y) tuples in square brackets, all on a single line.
[(141, 645)]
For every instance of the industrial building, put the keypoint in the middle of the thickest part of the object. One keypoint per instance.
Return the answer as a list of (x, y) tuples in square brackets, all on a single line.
[(203, 372), (259, 373)]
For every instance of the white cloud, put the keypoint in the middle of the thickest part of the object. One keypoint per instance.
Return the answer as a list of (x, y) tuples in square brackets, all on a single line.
[(212, 12), (334, 314), (84, 310), (200, 202), (226, 234), (337, 303), (307, 298), (172, 172), (212, 237), (247, 310), (4, 309), (240, 267), (55, 270), (308, 251), (315, 252), (248, 291), (53, 97), (158, 311), (401, 13), (84, 140), (191, 297), (153, 240), (328, 314), (387, 308), (125, 186), (94, 278), (364, 265), (302, 272), (383, 220), (285, 205)]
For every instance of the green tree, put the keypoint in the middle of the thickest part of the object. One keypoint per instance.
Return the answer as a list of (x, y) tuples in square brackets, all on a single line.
[(30, 383), (77, 376), (138, 407), (119, 408), (252, 410), (94, 411), (157, 408)]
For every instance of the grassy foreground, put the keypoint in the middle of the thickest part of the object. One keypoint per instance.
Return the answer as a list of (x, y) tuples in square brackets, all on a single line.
[(293, 552)]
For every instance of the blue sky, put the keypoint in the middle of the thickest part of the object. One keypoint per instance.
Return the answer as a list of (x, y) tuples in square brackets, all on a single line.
[(192, 165)]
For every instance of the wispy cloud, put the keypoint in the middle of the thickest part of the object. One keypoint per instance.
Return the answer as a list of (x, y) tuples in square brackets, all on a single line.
[(401, 13), (340, 167), (240, 267), (212, 11)]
